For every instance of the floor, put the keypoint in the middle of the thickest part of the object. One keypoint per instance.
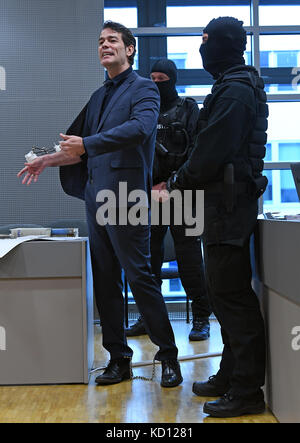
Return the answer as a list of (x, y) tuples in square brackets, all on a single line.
[(136, 401)]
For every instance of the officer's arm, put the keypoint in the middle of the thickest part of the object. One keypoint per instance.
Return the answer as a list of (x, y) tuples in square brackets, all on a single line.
[(192, 124), (227, 128)]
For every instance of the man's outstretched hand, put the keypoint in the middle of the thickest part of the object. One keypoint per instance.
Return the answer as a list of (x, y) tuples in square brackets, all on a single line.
[(71, 149), (33, 170)]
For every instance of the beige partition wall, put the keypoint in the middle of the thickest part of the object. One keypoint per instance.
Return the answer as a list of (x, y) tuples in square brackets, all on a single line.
[(280, 293)]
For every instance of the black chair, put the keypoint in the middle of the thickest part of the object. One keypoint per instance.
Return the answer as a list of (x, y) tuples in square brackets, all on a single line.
[(166, 274)]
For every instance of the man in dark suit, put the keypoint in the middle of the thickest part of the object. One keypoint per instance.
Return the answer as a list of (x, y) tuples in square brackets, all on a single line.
[(109, 151)]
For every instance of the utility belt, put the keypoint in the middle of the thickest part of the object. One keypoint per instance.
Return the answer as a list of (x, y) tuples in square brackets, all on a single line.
[(230, 190), (220, 187)]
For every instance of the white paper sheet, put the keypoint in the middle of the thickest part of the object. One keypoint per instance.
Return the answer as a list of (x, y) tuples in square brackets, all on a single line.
[(7, 244), (65, 238)]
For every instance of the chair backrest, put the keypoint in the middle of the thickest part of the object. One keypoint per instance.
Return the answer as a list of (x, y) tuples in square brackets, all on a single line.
[(169, 253)]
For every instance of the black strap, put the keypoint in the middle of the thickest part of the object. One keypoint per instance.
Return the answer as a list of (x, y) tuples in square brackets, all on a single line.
[(218, 188)]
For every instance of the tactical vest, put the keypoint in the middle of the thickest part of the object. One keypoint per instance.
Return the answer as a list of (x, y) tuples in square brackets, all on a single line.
[(255, 150), (258, 138), (172, 140)]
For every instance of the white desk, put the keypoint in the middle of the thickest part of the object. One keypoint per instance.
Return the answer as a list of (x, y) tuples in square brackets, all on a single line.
[(46, 313), (280, 294)]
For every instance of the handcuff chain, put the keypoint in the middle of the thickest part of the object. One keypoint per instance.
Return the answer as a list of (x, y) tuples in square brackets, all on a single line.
[(140, 377)]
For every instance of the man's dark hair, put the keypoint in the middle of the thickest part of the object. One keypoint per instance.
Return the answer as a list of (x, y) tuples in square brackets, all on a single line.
[(127, 36)]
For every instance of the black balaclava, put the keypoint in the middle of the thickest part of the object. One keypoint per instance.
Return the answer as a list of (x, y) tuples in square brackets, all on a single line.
[(225, 45), (167, 89)]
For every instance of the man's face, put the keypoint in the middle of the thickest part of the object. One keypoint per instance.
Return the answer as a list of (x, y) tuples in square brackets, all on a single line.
[(112, 51), (159, 77)]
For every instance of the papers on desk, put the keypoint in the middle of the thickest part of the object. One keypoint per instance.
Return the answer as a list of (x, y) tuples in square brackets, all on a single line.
[(65, 238), (281, 216), (8, 244)]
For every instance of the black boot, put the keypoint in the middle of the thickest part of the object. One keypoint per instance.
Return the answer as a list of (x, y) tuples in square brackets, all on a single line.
[(200, 330), (137, 328), (171, 374), (231, 406), (210, 388), (116, 371)]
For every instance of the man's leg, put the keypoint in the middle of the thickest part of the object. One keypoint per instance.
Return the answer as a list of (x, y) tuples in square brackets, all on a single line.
[(131, 244), (132, 247), (157, 252), (218, 384), (158, 233), (107, 284), (191, 272), (238, 311)]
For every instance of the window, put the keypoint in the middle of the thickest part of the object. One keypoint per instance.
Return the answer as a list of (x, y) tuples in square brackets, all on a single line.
[(273, 13), (126, 14), (195, 16), (184, 51), (288, 152), (264, 59), (283, 146), (279, 58), (188, 48), (287, 58)]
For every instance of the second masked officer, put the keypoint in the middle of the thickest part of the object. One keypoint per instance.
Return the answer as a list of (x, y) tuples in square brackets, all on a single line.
[(176, 133)]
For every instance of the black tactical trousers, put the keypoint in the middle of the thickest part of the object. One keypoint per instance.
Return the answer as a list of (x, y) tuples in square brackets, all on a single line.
[(237, 309), (190, 265)]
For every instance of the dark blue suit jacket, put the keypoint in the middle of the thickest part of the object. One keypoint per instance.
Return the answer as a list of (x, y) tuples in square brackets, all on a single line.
[(119, 146)]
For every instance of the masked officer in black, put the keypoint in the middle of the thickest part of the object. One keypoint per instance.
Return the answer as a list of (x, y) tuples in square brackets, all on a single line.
[(176, 133), (227, 164)]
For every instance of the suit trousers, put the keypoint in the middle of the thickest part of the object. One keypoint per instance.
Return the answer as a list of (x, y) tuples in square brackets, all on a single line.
[(237, 309), (127, 247)]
